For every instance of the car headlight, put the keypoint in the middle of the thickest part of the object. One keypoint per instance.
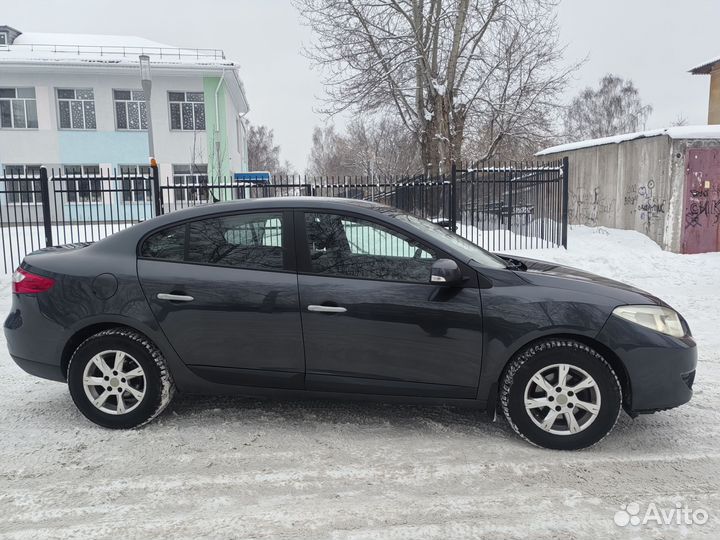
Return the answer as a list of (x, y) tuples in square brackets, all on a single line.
[(658, 318)]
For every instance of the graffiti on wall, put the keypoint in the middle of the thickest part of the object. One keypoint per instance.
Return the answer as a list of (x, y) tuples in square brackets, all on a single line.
[(704, 203), (650, 206), (587, 206)]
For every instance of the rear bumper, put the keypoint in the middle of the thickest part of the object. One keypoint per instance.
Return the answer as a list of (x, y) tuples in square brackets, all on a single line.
[(660, 368), (46, 371), (32, 339)]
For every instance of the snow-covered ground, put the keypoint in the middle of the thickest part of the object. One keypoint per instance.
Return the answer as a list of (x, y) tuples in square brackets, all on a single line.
[(235, 468)]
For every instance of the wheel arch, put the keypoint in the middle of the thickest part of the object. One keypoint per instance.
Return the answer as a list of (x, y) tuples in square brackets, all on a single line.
[(83, 333), (608, 354)]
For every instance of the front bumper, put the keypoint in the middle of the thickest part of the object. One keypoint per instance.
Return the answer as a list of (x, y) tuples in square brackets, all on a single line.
[(660, 368)]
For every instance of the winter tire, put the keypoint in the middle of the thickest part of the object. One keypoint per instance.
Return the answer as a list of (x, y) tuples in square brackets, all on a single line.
[(119, 379), (560, 394)]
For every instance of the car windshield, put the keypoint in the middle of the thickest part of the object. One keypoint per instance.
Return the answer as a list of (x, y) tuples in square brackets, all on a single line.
[(444, 236)]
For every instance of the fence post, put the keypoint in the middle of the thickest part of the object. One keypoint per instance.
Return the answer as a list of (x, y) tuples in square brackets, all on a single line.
[(510, 198), (453, 194), (565, 196), (47, 218), (156, 192)]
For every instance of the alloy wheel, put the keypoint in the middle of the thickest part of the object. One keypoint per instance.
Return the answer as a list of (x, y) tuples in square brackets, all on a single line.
[(562, 399), (114, 382)]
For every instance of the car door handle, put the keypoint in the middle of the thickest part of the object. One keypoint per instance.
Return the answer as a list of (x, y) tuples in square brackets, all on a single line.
[(327, 309), (175, 297)]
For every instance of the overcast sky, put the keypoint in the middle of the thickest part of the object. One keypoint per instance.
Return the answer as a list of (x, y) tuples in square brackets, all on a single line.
[(653, 42)]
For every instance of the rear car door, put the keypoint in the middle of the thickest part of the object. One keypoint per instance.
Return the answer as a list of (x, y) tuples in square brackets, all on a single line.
[(373, 322), (224, 291)]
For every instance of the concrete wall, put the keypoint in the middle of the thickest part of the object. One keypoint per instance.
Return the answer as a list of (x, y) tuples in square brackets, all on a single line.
[(636, 185)]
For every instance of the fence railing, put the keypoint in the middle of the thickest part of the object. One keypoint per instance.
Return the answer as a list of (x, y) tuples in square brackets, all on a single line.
[(498, 206), (159, 53)]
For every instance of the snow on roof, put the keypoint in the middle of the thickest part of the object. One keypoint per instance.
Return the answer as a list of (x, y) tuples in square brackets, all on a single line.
[(706, 67), (96, 40), (680, 132), (103, 49)]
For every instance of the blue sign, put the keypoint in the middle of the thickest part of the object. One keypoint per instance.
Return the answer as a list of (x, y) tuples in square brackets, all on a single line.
[(257, 176)]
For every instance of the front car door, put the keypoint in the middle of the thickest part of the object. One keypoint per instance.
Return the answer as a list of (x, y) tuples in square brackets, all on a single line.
[(372, 321), (224, 291)]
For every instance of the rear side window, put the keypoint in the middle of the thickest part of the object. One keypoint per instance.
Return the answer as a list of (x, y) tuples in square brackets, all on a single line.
[(168, 244), (251, 241)]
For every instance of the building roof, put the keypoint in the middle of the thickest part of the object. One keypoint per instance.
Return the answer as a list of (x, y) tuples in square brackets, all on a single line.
[(30, 49), (705, 68), (94, 49), (6, 28), (680, 132)]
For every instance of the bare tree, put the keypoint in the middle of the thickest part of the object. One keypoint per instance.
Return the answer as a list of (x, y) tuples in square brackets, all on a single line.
[(263, 153), (680, 120), (373, 148), (329, 155), (614, 107), (382, 147), (439, 65)]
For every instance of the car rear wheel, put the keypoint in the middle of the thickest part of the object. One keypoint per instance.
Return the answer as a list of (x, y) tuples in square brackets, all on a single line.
[(119, 379), (561, 394)]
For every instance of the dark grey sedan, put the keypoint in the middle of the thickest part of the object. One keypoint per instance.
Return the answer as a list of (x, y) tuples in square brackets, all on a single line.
[(341, 298)]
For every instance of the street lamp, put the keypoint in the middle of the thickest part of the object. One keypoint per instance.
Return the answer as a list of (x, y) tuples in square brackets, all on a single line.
[(147, 90)]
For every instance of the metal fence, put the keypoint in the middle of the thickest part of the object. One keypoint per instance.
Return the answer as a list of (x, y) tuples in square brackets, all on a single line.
[(500, 206)]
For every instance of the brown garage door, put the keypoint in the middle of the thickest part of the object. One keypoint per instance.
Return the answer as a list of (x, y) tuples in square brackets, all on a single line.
[(701, 231)]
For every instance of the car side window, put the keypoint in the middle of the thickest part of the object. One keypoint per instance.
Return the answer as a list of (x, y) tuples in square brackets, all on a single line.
[(168, 244), (348, 246), (251, 241)]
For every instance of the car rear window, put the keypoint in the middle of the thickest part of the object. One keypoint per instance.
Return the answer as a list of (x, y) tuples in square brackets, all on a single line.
[(168, 244)]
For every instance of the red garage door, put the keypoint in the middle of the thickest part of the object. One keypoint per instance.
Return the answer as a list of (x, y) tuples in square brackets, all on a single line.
[(702, 201)]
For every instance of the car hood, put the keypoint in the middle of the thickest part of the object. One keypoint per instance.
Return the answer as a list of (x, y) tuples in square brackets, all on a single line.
[(556, 275)]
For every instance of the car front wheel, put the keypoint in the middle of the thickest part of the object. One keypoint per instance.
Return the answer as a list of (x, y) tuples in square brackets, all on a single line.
[(119, 379), (561, 394)]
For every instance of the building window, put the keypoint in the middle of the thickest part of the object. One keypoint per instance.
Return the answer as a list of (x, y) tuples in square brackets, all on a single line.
[(18, 108), (135, 183), (187, 111), (83, 183), (76, 108), (22, 184), (130, 109), (191, 183)]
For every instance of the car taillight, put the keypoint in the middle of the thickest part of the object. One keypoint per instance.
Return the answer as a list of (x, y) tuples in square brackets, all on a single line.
[(23, 282)]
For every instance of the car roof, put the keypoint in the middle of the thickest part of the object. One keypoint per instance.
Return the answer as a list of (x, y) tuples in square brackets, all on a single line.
[(281, 202)]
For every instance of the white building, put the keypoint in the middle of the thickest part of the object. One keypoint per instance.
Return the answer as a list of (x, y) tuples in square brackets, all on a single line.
[(74, 103)]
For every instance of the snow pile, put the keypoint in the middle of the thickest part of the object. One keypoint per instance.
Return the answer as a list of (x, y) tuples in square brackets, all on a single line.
[(687, 282), (680, 132)]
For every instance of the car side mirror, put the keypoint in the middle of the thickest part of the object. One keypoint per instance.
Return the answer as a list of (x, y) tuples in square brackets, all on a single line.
[(446, 272)]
